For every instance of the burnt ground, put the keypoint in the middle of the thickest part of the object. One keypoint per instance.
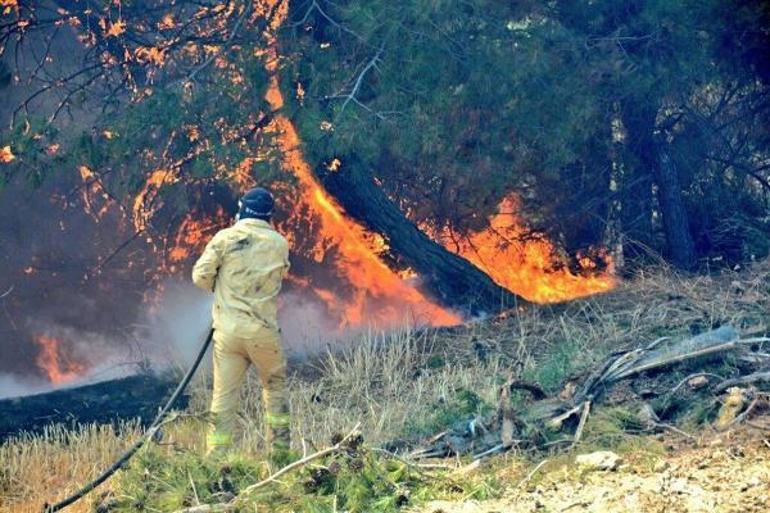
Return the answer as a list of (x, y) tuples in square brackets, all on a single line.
[(134, 397)]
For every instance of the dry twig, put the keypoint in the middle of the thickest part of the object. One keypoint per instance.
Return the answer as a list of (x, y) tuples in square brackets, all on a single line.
[(532, 473), (304, 461), (692, 376), (582, 423), (742, 380)]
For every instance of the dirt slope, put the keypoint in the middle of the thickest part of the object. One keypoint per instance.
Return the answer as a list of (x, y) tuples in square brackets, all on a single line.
[(724, 473)]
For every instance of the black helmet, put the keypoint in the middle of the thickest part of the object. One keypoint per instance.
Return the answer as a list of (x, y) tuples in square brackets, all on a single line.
[(258, 203)]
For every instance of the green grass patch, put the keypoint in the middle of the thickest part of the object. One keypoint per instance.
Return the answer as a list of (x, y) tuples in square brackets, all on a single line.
[(553, 370), (462, 406), (610, 427), (356, 480)]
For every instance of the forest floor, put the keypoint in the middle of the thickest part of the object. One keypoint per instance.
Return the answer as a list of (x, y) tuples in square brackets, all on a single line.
[(408, 388)]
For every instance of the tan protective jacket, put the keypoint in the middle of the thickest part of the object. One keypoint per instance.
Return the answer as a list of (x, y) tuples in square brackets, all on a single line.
[(244, 266)]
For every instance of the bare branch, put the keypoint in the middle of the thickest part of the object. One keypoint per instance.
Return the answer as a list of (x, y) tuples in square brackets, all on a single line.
[(754, 173), (351, 96), (7, 292)]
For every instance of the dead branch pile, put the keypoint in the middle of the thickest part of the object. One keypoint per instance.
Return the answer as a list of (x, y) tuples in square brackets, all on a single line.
[(644, 373)]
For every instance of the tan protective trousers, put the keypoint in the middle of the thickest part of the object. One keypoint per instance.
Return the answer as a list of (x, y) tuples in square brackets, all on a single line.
[(232, 357)]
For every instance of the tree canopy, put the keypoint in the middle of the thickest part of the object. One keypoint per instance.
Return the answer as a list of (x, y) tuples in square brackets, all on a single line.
[(639, 125), (571, 105)]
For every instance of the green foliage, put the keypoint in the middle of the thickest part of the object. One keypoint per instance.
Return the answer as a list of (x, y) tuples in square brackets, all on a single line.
[(452, 104), (563, 361), (467, 101), (30, 145), (610, 425), (423, 108), (156, 481), (461, 406), (199, 130), (356, 480)]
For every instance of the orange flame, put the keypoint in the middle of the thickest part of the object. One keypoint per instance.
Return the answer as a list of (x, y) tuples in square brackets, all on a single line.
[(193, 234), (96, 201), (57, 366), (144, 202), (523, 263), (6, 155)]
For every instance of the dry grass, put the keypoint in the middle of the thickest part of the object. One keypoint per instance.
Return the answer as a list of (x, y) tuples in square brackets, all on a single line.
[(35, 468), (397, 384), (382, 381)]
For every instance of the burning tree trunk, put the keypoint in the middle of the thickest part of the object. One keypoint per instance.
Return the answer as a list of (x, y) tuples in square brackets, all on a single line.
[(452, 279)]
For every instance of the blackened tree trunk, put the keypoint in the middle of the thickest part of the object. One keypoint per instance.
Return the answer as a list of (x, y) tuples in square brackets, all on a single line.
[(451, 279), (650, 160)]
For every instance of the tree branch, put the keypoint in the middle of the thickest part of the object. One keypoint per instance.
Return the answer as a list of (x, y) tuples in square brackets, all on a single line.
[(317, 7), (229, 40), (351, 96)]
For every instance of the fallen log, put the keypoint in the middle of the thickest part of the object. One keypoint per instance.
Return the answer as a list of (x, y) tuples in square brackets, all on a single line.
[(725, 338), (451, 279), (743, 380)]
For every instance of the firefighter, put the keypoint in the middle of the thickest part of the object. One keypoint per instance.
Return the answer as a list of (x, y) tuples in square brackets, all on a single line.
[(244, 266)]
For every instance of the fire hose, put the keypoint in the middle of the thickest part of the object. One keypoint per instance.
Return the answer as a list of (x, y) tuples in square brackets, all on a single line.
[(148, 435)]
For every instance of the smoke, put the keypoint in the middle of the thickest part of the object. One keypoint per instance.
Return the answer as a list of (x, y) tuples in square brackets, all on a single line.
[(306, 326), (78, 357), (173, 330), (174, 327), (12, 385), (168, 333)]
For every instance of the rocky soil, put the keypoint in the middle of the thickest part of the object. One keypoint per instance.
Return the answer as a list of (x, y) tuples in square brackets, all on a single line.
[(720, 473)]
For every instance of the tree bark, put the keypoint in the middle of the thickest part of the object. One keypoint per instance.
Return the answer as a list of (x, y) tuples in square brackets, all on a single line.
[(636, 187), (651, 159), (676, 222), (613, 231), (451, 279)]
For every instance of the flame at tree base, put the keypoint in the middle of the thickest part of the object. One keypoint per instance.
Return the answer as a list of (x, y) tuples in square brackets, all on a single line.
[(526, 264)]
